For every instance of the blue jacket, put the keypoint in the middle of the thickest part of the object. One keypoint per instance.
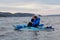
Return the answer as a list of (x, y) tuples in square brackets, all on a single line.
[(35, 22)]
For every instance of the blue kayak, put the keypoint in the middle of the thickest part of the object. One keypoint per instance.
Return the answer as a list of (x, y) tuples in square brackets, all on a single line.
[(40, 27)]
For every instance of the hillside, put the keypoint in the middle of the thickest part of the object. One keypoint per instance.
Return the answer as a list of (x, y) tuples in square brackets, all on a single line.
[(7, 14)]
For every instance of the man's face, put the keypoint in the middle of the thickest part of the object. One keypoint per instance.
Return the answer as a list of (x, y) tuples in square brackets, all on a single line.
[(33, 17)]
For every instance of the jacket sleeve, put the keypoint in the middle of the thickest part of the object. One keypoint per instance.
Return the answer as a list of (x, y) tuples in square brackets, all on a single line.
[(32, 20)]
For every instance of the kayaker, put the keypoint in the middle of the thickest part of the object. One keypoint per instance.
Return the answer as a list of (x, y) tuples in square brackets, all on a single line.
[(35, 21)]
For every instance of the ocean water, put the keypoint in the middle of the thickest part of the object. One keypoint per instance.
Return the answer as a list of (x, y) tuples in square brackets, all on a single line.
[(7, 31)]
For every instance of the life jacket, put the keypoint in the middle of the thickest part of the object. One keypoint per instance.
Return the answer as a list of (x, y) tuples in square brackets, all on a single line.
[(35, 22)]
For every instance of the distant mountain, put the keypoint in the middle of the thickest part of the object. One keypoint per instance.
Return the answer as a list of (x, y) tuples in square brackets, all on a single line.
[(54, 15), (7, 14), (23, 14)]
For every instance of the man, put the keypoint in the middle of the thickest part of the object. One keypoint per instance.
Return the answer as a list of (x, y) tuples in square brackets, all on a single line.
[(35, 21)]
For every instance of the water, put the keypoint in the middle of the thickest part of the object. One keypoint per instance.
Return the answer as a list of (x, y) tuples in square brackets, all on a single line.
[(7, 32)]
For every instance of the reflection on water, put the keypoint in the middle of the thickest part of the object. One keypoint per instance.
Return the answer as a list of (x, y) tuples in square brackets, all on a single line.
[(35, 36), (7, 32)]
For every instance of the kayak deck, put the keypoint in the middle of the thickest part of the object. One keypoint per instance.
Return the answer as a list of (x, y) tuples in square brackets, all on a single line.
[(37, 29), (33, 28)]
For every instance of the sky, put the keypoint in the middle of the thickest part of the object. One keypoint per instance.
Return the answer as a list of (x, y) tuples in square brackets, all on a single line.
[(43, 7)]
